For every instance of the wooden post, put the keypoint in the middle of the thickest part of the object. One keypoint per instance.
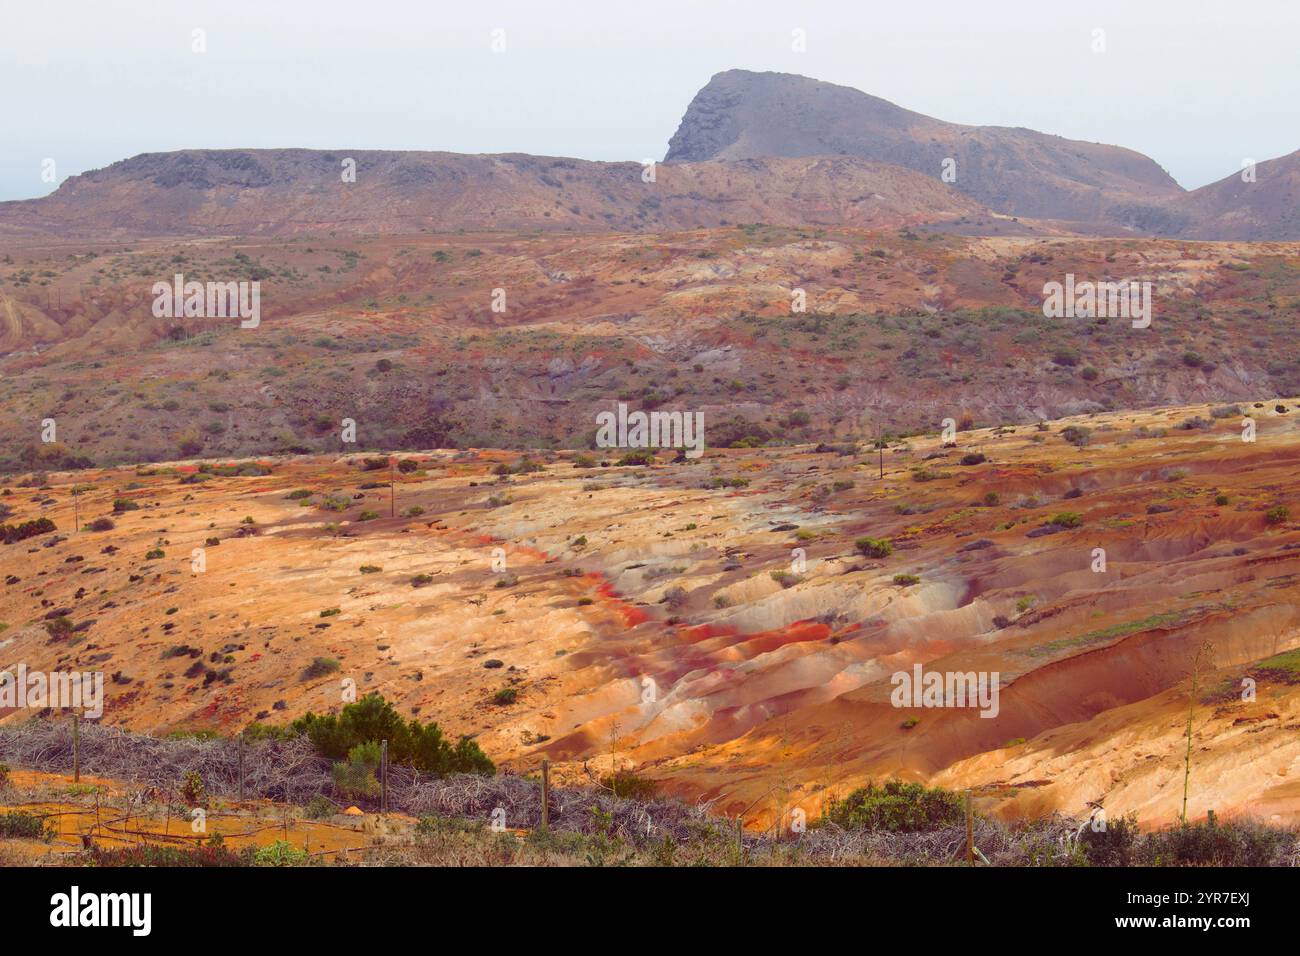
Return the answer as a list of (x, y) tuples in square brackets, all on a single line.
[(241, 767), (383, 776), (546, 794), (76, 748), (970, 832), (1209, 818), (740, 835), (392, 489)]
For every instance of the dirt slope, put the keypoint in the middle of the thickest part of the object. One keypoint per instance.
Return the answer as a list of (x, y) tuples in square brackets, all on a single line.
[(661, 617)]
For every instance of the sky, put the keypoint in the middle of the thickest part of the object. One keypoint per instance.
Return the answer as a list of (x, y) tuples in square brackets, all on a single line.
[(1197, 86)]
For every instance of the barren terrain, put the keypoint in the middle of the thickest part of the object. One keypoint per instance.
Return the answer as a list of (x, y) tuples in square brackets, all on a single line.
[(653, 616), (901, 329)]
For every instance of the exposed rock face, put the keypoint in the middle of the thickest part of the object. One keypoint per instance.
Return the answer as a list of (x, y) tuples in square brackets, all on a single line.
[(1021, 172)]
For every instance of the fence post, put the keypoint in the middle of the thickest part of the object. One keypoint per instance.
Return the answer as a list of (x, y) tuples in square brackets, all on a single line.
[(240, 740), (970, 832), (546, 794), (76, 748), (383, 777)]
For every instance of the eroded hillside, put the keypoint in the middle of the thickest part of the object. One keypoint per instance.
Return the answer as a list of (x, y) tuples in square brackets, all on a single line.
[(719, 623), (401, 336)]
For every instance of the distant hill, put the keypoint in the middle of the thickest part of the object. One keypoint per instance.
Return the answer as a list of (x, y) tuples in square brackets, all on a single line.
[(290, 191), (752, 147), (1016, 171), (1267, 208)]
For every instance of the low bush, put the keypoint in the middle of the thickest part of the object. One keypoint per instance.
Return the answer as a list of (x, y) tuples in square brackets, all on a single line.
[(874, 547), (896, 807), (372, 719), (11, 534), (23, 825)]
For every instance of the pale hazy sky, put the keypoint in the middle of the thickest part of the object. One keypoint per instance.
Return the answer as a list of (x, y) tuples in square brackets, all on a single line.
[(1198, 86)]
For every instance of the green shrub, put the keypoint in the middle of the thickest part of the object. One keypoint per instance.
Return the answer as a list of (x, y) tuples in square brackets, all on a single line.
[(279, 853), (320, 667), (192, 790), (874, 547), (896, 807), (1205, 844), (410, 743), (636, 458), (355, 777), (320, 808), (1077, 435), (626, 784), (1068, 357), (170, 856), (23, 825), (1113, 846), (10, 534)]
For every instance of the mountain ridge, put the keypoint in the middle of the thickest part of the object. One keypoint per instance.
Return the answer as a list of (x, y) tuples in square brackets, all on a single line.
[(1013, 170), (751, 147), (286, 191)]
